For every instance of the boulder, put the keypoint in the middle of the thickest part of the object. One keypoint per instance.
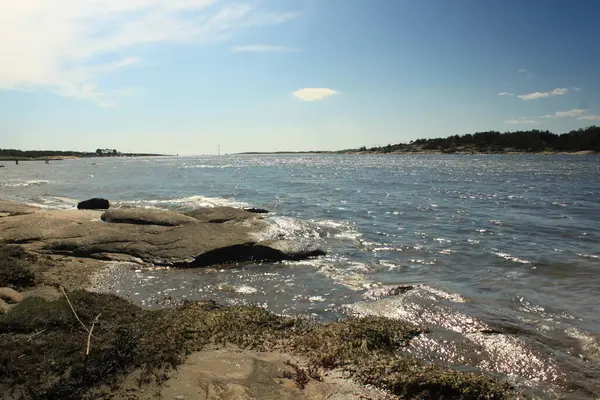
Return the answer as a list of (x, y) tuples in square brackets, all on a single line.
[(94, 204), (267, 251), (146, 216), (159, 237), (10, 295)]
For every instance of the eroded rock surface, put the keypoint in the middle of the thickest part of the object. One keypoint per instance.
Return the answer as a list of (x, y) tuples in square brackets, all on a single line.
[(162, 237)]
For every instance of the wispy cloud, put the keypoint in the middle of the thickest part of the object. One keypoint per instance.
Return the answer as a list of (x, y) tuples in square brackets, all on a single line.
[(314, 94), (520, 121), (562, 114), (55, 45), (541, 95), (523, 71), (505, 94), (590, 118), (576, 89), (263, 48)]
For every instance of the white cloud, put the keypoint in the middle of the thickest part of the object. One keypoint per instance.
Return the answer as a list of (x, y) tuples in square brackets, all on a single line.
[(523, 71), (562, 114), (576, 89), (263, 48), (541, 95), (505, 94), (55, 45), (520, 121), (590, 118), (314, 94)]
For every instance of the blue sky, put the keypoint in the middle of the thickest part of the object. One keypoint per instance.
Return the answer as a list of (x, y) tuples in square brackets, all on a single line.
[(183, 76)]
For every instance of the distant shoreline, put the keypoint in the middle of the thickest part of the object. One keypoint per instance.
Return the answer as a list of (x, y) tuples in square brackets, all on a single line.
[(424, 152), (71, 157)]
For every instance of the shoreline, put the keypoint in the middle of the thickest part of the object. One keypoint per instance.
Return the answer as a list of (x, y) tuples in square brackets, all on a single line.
[(423, 152), (170, 345), (72, 249)]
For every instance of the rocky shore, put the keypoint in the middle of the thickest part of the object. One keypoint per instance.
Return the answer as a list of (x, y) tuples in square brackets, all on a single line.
[(60, 341)]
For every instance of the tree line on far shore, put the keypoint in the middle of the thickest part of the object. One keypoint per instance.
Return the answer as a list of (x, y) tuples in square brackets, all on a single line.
[(24, 154), (493, 141)]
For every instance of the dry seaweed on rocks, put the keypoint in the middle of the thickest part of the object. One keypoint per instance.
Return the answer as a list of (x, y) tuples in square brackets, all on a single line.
[(44, 347), (14, 268)]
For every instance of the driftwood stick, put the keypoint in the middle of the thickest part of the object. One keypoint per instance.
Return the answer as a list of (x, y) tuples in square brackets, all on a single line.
[(87, 351), (76, 316), (35, 334)]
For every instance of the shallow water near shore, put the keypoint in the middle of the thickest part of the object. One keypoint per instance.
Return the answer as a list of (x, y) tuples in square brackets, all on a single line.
[(506, 243)]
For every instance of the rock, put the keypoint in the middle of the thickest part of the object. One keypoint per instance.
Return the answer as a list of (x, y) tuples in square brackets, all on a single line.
[(3, 307), (270, 251), (386, 291), (220, 214), (154, 236), (10, 295), (145, 216), (94, 204), (256, 210), (10, 208)]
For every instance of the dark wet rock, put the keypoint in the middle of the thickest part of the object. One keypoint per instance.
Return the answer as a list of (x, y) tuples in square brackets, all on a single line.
[(154, 236), (94, 204), (271, 251), (10, 295), (386, 291), (145, 216), (256, 210), (220, 215)]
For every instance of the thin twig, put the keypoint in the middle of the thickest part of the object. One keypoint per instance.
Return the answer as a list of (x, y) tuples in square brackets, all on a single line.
[(87, 351), (71, 305), (37, 333)]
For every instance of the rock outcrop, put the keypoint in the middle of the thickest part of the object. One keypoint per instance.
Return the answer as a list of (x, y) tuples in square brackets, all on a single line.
[(204, 237), (94, 204), (10, 208)]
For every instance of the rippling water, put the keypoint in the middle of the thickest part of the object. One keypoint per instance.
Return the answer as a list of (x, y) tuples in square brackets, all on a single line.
[(493, 240)]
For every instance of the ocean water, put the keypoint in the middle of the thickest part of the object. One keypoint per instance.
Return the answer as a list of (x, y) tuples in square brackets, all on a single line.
[(507, 242)]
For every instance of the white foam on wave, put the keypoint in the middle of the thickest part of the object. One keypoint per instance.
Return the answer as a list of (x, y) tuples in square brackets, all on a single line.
[(589, 344), (207, 166), (53, 203), (242, 289), (190, 202), (509, 257), (346, 273), (20, 183), (279, 227), (592, 256)]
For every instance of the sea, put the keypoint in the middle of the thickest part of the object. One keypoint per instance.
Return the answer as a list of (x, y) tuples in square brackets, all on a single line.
[(498, 255)]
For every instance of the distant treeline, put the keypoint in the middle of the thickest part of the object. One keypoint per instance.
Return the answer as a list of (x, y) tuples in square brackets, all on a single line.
[(24, 154), (494, 141)]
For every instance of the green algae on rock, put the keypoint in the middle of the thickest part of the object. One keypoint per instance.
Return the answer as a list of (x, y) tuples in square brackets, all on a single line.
[(45, 347)]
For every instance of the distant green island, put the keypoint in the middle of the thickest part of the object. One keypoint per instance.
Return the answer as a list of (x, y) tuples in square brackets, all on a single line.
[(29, 155), (491, 142)]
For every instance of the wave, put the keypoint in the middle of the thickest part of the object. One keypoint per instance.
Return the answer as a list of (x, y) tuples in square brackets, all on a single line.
[(509, 257), (207, 166), (20, 183), (53, 203), (350, 274), (186, 203)]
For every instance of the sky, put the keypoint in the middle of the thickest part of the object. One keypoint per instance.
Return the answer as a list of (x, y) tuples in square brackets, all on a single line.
[(187, 76)]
